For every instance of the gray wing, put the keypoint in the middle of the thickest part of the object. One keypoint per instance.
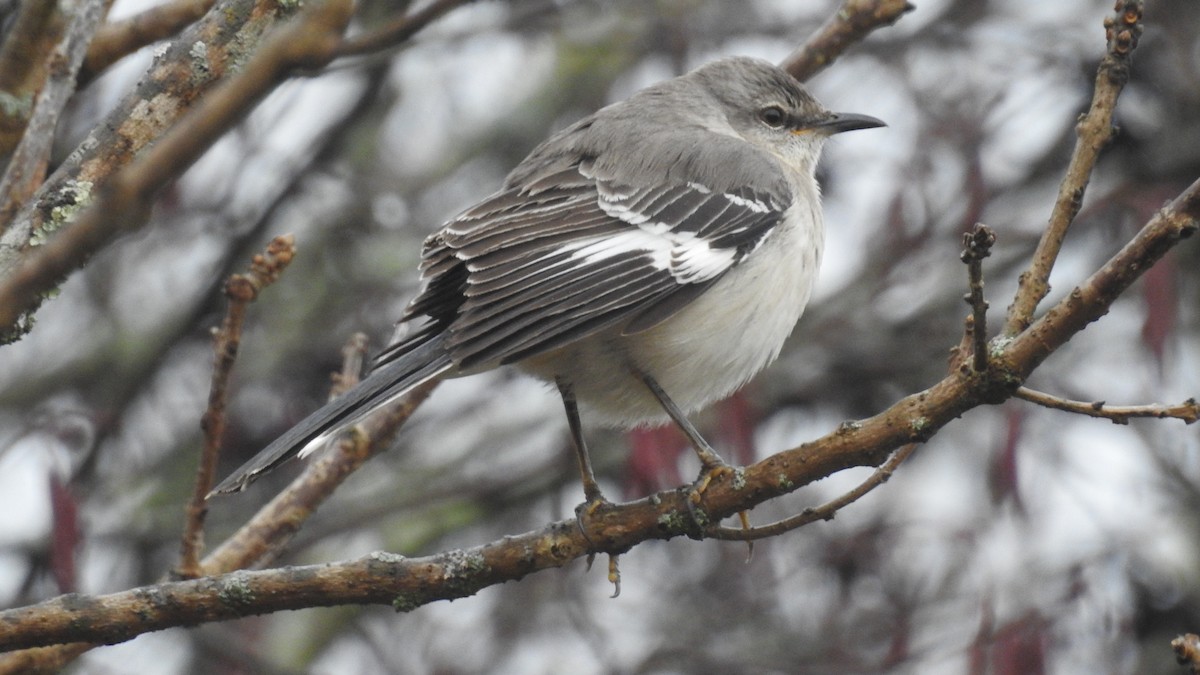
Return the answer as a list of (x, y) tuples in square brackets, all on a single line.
[(539, 265)]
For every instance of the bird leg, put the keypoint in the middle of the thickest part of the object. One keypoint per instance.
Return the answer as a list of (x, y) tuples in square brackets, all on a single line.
[(711, 464), (591, 489)]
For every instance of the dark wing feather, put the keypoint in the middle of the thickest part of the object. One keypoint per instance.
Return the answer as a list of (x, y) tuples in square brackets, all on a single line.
[(565, 255)]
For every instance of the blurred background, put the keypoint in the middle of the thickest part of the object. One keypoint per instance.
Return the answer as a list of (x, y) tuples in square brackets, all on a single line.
[(1018, 540)]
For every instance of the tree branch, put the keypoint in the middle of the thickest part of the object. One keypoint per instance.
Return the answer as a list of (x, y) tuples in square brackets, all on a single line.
[(397, 32), (24, 57), (1187, 652), (410, 583), (853, 21), (273, 526), (1188, 411), (124, 202), (977, 245), (115, 41), (825, 511), (27, 166), (241, 289), (1095, 130)]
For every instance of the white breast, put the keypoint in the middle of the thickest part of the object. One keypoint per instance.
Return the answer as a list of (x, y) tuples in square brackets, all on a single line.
[(710, 347)]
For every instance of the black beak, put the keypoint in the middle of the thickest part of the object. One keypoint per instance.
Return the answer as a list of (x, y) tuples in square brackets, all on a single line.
[(840, 122)]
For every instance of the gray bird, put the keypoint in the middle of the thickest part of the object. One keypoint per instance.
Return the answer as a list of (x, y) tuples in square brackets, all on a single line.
[(648, 260)]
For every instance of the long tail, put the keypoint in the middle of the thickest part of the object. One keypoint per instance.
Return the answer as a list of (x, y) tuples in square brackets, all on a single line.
[(389, 381)]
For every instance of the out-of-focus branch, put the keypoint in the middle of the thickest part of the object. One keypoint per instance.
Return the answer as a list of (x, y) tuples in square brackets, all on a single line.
[(853, 21), (124, 203), (354, 354), (42, 660), (977, 245), (271, 528), (188, 68), (119, 39), (27, 166), (1187, 652), (23, 58), (398, 31), (241, 289), (1094, 131), (1188, 411)]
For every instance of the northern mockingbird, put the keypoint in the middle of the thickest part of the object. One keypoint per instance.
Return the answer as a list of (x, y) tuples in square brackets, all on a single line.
[(648, 260)]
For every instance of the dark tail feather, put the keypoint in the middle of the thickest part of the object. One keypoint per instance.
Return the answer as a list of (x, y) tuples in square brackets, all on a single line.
[(386, 382)]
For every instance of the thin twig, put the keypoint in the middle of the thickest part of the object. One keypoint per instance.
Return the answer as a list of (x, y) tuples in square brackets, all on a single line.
[(853, 21), (1094, 130), (825, 511), (398, 31), (241, 291), (1188, 411), (269, 530), (353, 355), (977, 245)]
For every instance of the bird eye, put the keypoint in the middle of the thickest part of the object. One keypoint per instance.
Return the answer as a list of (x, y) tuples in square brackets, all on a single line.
[(772, 116)]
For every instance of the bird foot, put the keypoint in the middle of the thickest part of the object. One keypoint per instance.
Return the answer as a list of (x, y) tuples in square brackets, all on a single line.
[(695, 493), (585, 511)]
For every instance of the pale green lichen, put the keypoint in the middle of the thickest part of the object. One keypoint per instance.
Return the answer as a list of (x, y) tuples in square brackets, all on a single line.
[(406, 602), (459, 568), (72, 198), (201, 68), (235, 591), (784, 482), (998, 346), (19, 107), (739, 479), (672, 522)]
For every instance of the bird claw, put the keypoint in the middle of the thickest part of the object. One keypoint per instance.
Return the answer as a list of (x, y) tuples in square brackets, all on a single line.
[(586, 511), (696, 495)]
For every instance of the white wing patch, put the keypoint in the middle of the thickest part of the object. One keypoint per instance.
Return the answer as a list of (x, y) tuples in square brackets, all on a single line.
[(754, 205), (688, 258)]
